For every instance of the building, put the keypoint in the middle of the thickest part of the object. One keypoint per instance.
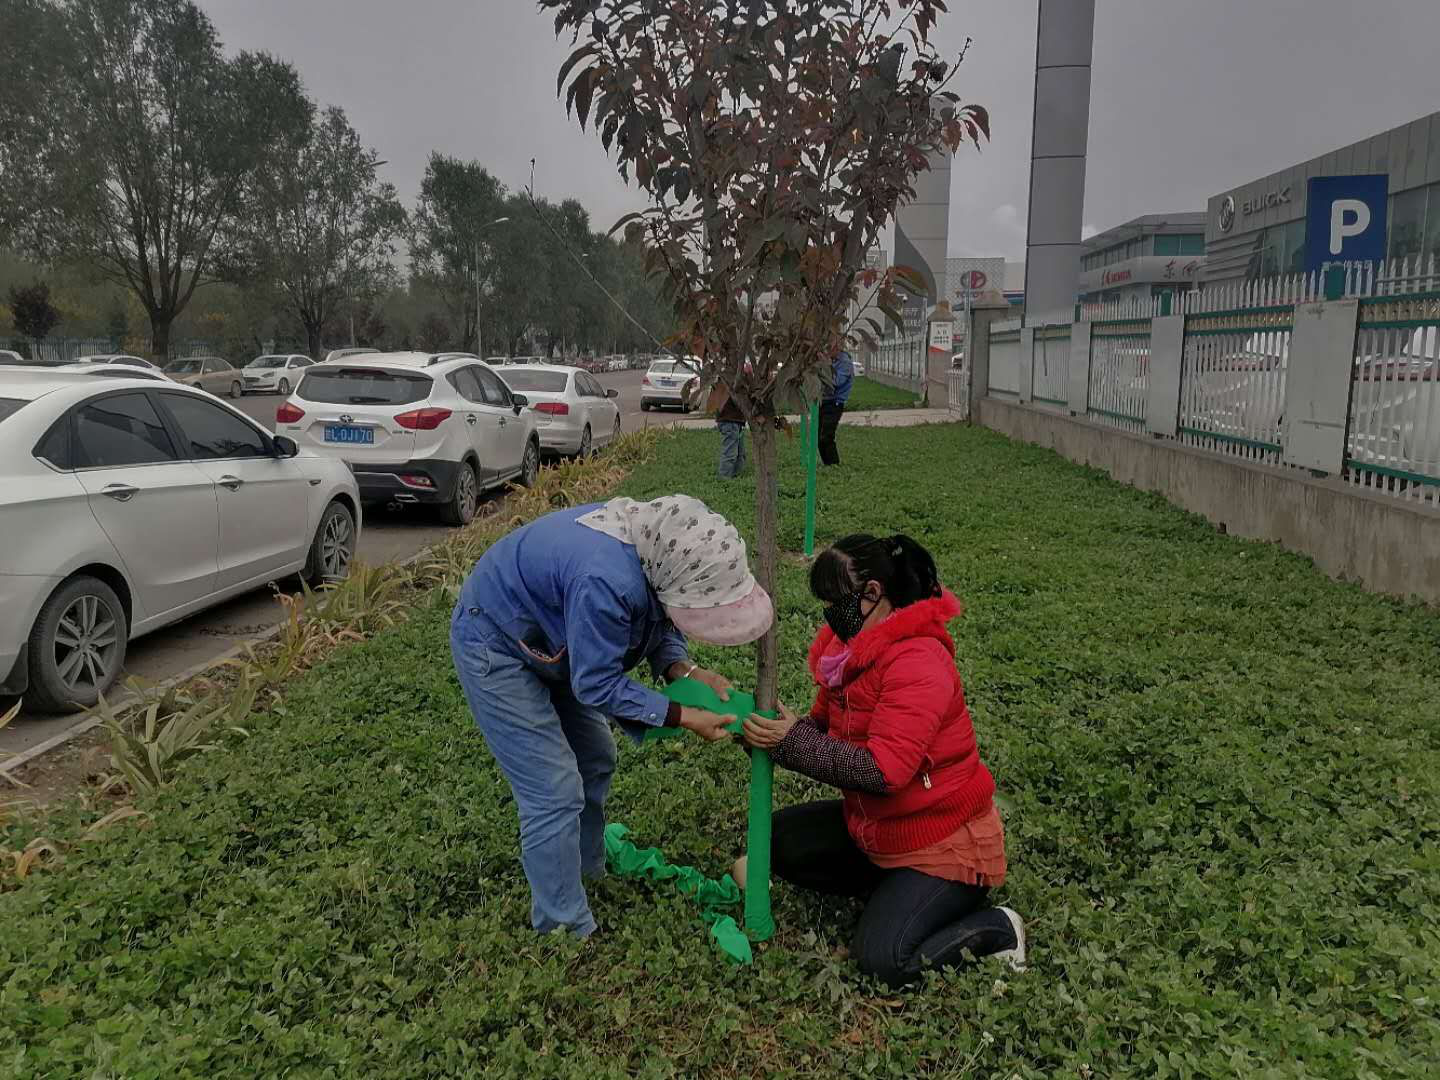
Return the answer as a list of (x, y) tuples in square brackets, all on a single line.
[(1258, 229), (1151, 255)]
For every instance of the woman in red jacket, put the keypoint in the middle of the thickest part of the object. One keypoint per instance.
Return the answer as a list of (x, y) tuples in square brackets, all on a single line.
[(917, 833)]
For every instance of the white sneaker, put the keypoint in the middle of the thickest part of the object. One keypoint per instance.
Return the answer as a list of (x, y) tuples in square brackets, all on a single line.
[(1014, 957)]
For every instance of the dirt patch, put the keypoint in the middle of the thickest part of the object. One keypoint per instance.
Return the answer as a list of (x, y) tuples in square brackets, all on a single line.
[(55, 776)]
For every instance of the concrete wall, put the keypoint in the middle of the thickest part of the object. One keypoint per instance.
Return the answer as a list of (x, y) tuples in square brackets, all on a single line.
[(1386, 545), (915, 386)]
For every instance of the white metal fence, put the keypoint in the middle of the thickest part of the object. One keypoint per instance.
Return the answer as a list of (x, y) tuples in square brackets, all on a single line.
[(957, 387), (901, 358), (1235, 358)]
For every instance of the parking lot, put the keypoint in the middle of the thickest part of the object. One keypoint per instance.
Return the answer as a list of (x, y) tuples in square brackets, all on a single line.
[(387, 535)]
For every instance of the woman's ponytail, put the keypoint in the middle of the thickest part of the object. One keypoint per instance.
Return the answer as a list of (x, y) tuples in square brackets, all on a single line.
[(904, 569)]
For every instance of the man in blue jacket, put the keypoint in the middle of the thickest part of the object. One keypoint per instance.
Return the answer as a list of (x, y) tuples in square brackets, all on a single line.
[(832, 404)]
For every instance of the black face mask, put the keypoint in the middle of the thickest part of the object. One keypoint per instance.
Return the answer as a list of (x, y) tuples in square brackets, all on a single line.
[(846, 618)]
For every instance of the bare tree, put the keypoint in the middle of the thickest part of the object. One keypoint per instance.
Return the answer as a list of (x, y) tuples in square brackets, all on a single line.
[(320, 225), (156, 132)]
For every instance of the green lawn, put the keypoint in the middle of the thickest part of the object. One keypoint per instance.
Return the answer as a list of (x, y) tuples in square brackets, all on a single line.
[(869, 394), (1219, 771)]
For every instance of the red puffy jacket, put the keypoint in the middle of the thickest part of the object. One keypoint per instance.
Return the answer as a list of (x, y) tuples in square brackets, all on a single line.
[(901, 698)]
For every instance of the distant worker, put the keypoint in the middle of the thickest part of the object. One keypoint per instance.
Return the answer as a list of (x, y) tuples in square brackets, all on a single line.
[(730, 422), (837, 381)]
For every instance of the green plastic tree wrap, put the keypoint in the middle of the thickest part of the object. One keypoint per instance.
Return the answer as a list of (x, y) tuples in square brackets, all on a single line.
[(627, 860), (759, 922)]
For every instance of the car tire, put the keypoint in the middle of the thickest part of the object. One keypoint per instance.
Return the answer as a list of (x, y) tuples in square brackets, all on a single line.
[(333, 547), (87, 611), (237, 389), (465, 500), (644, 405), (586, 449), (530, 465), (284, 387)]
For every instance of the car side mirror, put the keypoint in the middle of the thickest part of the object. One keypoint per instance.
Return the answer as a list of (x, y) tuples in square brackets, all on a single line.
[(285, 446), (612, 392), (520, 401)]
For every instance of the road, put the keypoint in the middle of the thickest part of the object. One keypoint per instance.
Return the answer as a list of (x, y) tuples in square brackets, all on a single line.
[(387, 535)]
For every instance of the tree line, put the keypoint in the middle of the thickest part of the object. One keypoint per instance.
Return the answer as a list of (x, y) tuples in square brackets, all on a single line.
[(135, 151)]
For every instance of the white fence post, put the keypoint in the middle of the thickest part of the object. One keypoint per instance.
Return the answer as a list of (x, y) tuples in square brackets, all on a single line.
[(1079, 368), (1027, 364), (1167, 348), (1317, 390)]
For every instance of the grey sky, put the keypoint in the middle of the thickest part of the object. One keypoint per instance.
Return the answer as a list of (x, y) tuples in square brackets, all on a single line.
[(1190, 97)]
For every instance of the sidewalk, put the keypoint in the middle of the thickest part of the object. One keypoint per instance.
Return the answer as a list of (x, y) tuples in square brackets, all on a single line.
[(871, 418)]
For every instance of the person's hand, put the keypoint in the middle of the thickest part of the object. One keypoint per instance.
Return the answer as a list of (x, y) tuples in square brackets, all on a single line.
[(714, 680), (767, 732), (708, 725)]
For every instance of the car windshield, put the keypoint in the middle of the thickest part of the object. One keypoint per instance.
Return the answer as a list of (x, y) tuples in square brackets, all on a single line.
[(9, 405), (267, 362), (670, 367), (184, 367), (546, 382), (363, 386)]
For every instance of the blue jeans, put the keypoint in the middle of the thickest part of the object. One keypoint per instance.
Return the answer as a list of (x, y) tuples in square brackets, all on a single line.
[(732, 448), (557, 754)]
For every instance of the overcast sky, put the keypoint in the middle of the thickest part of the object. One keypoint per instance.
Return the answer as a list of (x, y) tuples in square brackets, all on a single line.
[(1189, 97)]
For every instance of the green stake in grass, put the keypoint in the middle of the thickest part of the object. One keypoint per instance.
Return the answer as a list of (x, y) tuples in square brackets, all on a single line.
[(812, 451), (759, 923)]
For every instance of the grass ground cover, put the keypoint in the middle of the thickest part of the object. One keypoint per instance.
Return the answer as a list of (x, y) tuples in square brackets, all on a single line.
[(866, 394), (1219, 773)]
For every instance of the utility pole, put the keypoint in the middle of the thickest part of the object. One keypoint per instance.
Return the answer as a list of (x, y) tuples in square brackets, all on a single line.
[(479, 348)]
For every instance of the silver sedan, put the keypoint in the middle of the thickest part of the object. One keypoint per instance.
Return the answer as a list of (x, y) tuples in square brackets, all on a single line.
[(574, 414)]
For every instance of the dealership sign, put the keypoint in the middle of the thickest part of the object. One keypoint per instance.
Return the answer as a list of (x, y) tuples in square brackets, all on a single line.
[(1345, 219)]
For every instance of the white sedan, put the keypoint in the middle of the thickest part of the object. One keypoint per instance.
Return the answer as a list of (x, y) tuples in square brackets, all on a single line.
[(274, 374), (123, 359), (128, 504), (574, 414)]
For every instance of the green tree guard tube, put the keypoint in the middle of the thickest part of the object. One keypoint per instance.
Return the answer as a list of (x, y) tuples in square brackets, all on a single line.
[(759, 924)]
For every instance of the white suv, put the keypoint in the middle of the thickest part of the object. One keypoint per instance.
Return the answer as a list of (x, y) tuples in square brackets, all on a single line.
[(424, 428), (130, 503)]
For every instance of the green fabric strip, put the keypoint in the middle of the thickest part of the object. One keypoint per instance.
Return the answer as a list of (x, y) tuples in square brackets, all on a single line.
[(626, 860)]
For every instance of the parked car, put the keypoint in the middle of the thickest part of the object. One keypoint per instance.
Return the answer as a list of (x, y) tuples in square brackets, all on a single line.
[(115, 371), (10, 356), (341, 354), (574, 414), (118, 358), (669, 382), (416, 428), (859, 368), (274, 374), (127, 504), (211, 373)]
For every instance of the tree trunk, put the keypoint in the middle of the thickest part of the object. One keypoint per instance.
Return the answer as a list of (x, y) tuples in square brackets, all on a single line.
[(313, 334), (160, 337), (767, 554)]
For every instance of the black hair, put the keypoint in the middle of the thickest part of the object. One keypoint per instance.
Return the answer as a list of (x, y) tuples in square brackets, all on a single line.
[(904, 569)]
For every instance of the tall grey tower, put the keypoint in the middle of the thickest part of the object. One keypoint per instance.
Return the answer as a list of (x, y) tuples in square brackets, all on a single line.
[(1061, 130)]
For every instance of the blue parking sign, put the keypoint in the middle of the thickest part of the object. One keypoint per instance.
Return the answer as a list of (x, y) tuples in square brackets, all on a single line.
[(1345, 219)]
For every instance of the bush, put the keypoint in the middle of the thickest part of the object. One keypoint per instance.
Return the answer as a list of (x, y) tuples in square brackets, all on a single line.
[(1219, 772)]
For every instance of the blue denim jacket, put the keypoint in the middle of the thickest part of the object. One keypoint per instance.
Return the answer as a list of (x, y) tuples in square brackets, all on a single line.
[(574, 604), (842, 370)]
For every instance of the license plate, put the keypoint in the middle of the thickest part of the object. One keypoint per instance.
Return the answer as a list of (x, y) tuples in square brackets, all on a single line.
[(337, 433), (667, 382)]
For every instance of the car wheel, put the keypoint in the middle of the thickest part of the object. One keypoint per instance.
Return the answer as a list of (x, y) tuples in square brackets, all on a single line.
[(77, 646), (237, 389), (460, 510), (530, 466), (332, 548), (644, 406), (587, 447), (285, 387)]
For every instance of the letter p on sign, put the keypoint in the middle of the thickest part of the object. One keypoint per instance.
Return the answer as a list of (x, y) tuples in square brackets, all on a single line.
[(1348, 217)]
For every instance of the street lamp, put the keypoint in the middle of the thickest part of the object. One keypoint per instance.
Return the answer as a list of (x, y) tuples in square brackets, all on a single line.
[(479, 351)]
